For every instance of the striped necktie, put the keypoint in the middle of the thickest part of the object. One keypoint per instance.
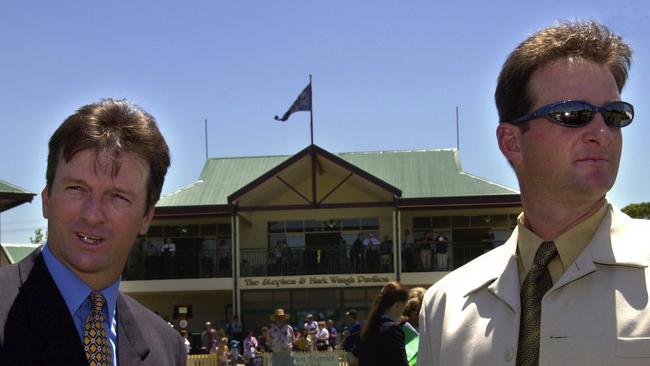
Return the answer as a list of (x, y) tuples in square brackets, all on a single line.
[(96, 345), (537, 282)]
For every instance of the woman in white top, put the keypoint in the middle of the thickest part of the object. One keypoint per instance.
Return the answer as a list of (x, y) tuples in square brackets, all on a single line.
[(322, 337)]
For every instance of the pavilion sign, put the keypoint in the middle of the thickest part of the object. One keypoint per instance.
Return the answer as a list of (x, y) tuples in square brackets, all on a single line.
[(320, 281)]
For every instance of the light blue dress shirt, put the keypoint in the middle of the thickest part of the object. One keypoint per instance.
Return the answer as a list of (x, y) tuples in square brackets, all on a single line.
[(75, 294)]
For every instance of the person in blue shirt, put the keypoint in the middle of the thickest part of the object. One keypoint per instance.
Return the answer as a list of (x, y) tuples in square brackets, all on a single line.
[(62, 305)]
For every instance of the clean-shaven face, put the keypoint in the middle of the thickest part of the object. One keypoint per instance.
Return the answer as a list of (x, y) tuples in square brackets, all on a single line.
[(94, 215)]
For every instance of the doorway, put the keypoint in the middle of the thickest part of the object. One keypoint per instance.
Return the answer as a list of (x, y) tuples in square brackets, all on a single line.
[(323, 252)]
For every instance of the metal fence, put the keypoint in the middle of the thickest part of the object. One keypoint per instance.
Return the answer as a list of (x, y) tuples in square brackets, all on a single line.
[(324, 358)]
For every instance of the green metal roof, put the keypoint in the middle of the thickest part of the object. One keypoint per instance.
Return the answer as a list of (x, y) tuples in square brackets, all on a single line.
[(16, 252), (417, 173), (6, 187)]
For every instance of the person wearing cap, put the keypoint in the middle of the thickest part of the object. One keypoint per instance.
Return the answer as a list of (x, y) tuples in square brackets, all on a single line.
[(352, 338), (281, 339), (311, 328)]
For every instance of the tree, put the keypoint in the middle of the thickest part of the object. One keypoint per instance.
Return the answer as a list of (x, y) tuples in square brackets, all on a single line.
[(638, 210), (39, 237)]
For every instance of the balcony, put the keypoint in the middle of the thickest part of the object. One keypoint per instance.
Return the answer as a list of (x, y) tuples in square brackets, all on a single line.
[(294, 261), (300, 261), (177, 265)]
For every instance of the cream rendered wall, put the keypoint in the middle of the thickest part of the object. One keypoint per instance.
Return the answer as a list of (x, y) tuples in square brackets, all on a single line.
[(192, 221), (206, 306), (346, 193), (256, 236), (407, 216)]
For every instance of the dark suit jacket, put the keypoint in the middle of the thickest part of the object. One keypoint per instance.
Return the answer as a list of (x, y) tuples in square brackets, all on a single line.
[(36, 327), (384, 347)]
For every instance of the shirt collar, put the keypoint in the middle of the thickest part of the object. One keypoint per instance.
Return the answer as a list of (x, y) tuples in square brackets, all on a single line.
[(73, 290), (569, 244)]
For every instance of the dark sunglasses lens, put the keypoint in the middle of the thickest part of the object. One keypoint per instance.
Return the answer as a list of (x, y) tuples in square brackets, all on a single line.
[(572, 113), (618, 114)]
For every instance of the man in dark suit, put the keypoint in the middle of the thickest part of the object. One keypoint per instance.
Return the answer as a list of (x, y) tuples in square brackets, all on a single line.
[(62, 305)]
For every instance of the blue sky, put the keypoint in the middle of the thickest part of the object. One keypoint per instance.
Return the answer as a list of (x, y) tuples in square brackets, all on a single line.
[(387, 75)]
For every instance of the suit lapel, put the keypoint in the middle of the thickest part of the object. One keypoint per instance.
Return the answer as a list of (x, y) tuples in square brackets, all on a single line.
[(47, 315), (498, 273), (132, 347)]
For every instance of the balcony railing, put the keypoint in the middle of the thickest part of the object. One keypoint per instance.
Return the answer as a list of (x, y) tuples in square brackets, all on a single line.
[(294, 261), (180, 264), (299, 261)]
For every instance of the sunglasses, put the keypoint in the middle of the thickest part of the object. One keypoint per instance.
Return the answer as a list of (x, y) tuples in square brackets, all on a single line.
[(576, 113)]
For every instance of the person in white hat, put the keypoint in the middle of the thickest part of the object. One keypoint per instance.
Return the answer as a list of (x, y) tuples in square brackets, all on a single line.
[(281, 339)]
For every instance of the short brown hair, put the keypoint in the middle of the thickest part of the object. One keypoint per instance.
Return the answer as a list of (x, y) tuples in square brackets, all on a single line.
[(112, 126), (581, 40)]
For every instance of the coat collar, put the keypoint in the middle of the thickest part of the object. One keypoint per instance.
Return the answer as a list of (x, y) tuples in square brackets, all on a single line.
[(619, 240)]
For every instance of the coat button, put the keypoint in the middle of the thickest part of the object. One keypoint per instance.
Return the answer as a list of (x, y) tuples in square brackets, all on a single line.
[(509, 354)]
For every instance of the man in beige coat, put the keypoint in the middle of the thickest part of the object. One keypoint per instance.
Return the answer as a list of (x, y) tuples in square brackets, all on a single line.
[(558, 97)]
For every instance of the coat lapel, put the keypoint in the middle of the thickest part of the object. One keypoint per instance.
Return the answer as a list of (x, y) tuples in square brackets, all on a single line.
[(498, 273), (55, 336), (132, 348)]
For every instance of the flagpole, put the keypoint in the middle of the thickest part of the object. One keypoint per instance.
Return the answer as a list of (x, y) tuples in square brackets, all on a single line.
[(206, 139), (311, 111)]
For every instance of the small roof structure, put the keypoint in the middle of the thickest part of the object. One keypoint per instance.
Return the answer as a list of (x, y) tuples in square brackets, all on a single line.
[(12, 196)]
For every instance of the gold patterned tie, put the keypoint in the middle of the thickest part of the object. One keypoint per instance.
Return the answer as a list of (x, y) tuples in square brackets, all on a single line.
[(96, 346), (537, 282)]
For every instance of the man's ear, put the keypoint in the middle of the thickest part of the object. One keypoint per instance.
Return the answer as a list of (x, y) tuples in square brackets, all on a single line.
[(509, 139), (45, 199), (148, 216)]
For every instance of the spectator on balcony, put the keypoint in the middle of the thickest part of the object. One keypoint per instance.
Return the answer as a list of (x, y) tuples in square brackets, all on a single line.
[(488, 241), (284, 259), (426, 246), (224, 256), (385, 251), (356, 253), (371, 248), (151, 258), (208, 255), (168, 251), (408, 250), (442, 249), (275, 258), (338, 254)]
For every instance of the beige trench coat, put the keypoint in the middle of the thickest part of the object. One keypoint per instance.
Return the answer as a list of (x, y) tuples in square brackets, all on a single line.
[(598, 312)]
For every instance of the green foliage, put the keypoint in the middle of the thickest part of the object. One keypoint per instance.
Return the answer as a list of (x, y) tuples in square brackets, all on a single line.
[(40, 237), (638, 210)]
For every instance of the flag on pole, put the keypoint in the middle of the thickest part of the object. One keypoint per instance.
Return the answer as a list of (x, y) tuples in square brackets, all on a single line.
[(302, 103)]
